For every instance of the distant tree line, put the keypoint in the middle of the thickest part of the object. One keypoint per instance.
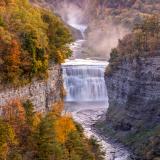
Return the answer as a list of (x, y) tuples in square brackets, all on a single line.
[(144, 40)]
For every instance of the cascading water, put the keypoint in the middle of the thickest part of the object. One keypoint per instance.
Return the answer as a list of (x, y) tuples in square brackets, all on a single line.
[(80, 27), (85, 82)]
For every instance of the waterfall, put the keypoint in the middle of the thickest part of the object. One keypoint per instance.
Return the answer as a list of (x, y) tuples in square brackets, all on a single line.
[(77, 26), (84, 80), (81, 28)]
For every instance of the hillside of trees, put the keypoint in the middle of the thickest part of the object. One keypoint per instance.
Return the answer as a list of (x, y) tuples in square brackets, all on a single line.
[(127, 12), (26, 135), (144, 40), (30, 39)]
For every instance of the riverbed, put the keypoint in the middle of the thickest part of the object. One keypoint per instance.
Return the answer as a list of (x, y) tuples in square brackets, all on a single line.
[(88, 113)]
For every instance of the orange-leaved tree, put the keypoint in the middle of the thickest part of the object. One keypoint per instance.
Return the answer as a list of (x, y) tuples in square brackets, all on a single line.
[(12, 62), (63, 127)]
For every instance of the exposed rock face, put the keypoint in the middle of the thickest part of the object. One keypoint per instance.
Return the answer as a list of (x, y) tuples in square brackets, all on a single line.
[(42, 93), (134, 104)]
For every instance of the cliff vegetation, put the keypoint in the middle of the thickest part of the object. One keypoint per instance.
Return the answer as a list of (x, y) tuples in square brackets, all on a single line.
[(127, 12), (143, 41), (30, 39)]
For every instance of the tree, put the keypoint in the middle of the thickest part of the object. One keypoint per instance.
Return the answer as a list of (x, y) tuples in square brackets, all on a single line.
[(14, 113), (1, 21), (63, 127), (44, 138), (12, 62), (147, 33), (25, 134), (113, 55), (96, 149), (57, 108), (7, 139)]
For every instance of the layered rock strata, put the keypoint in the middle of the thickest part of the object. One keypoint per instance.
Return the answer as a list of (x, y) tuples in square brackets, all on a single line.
[(134, 104), (42, 93)]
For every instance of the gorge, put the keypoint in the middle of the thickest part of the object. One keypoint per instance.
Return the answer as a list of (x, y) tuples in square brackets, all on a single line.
[(104, 81), (132, 86)]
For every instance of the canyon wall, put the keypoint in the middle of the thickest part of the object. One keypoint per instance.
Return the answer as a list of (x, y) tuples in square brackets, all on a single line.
[(42, 93), (133, 116)]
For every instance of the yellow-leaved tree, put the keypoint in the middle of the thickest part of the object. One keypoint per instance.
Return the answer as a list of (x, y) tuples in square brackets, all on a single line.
[(63, 127)]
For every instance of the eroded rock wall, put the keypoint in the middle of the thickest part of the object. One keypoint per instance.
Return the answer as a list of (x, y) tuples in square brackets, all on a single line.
[(134, 104), (42, 93)]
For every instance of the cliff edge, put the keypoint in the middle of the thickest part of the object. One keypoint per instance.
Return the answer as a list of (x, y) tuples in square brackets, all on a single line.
[(42, 93), (134, 99), (133, 85)]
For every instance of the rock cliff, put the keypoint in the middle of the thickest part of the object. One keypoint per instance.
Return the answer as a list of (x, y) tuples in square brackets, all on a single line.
[(133, 116), (42, 93)]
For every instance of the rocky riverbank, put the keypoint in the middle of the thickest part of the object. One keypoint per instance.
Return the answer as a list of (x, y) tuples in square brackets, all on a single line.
[(87, 114)]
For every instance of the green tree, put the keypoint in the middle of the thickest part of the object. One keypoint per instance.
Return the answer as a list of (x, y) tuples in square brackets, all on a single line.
[(47, 146), (1, 21), (7, 139)]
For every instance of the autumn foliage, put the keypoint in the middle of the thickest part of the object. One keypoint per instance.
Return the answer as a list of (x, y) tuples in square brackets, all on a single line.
[(26, 135), (14, 112), (63, 127), (30, 40), (144, 39)]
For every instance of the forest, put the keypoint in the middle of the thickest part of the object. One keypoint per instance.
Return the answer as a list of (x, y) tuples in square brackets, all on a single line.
[(144, 40), (25, 134), (31, 39)]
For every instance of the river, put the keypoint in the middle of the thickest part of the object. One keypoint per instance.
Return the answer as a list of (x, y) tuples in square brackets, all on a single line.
[(87, 98)]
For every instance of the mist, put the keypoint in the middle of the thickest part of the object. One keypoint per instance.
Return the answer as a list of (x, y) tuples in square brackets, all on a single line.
[(72, 14), (102, 38)]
